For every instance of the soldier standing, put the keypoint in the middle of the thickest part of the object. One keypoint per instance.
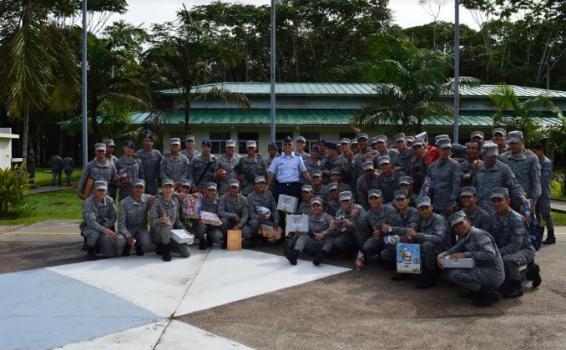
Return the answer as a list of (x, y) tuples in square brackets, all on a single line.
[(175, 166), (99, 169), (190, 152), (151, 162), (477, 216), (249, 167), (56, 170), (388, 180), (471, 163), (446, 176), (403, 160), (227, 162), (129, 170), (68, 168), (273, 151), (498, 137), (366, 182), (543, 204), (205, 167), (110, 155)]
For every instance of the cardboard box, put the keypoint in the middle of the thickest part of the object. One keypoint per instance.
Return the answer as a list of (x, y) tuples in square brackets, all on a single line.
[(210, 218), (287, 203), (464, 263), (297, 223), (408, 258), (182, 237), (234, 240)]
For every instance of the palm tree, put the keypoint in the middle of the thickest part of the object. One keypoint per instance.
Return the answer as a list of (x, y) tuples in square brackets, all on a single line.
[(521, 116), (38, 66), (411, 84), (182, 57)]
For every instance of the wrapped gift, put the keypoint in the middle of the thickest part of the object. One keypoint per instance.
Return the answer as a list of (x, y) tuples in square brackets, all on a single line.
[(234, 240), (391, 239), (464, 263), (209, 218), (408, 258), (297, 223), (263, 211), (287, 203), (182, 237), (270, 233), (192, 206)]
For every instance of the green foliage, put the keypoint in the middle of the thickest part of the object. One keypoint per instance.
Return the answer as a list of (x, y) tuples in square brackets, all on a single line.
[(13, 184), (517, 114)]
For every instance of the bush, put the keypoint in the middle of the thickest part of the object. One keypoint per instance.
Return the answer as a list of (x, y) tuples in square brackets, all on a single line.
[(13, 184)]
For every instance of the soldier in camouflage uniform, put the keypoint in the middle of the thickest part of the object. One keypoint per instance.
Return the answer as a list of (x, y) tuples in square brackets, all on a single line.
[(56, 170), (332, 199), (261, 197), (403, 218), (370, 227), (403, 160), (471, 163), (164, 218), (493, 173), (110, 155), (190, 152), (321, 225), (366, 182), (175, 166), (433, 236), (273, 152), (334, 161), (526, 167), (129, 170), (346, 237), (361, 157), (418, 164), (228, 161), (510, 232), (382, 150), (68, 168), (483, 280), (498, 137), (100, 169), (133, 219), (313, 163), (446, 176), (335, 177), (477, 137), (388, 180), (543, 203), (475, 214), (306, 196), (249, 167), (151, 163), (213, 234), (317, 183), (204, 167), (300, 143), (99, 217), (233, 210)]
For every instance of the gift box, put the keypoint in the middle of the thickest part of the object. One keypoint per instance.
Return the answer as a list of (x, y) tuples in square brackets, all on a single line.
[(209, 218), (409, 258), (297, 223), (287, 203), (270, 233), (192, 206), (182, 237), (391, 239), (464, 263), (234, 240)]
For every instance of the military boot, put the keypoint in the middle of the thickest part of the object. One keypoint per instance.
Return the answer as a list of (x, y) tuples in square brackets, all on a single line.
[(515, 290), (426, 280), (319, 257), (139, 250), (485, 297), (91, 253), (533, 275), (291, 255), (550, 238), (166, 250)]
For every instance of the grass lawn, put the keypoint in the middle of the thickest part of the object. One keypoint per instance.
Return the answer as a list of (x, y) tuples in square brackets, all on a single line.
[(43, 176), (58, 205)]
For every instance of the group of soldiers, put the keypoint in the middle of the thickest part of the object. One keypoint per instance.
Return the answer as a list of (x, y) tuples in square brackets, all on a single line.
[(362, 197)]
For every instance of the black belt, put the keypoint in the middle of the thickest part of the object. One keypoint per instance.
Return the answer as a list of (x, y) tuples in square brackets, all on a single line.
[(289, 183)]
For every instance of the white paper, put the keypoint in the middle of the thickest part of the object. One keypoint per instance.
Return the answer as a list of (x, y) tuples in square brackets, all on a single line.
[(182, 237), (297, 223), (287, 203)]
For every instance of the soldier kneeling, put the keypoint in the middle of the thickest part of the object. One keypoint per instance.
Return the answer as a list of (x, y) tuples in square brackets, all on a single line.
[(483, 280), (98, 224), (164, 218)]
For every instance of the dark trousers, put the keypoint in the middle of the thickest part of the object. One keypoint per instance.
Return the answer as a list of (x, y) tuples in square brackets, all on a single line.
[(289, 189)]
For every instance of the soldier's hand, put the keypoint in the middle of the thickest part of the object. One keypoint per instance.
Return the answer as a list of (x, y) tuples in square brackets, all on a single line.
[(440, 261), (130, 240), (110, 234), (411, 233), (355, 213), (386, 228), (151, 200), (476, 164), (457, 256), (347, 223)]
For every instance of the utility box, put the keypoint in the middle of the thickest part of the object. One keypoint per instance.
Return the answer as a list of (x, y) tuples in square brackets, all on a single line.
[(6, 138)]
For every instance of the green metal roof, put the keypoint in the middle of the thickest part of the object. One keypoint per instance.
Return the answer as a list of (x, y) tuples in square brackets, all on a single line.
[(316, 117), (352, 89)]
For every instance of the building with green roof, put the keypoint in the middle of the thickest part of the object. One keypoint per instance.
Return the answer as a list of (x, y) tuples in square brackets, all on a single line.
[(317, 111)]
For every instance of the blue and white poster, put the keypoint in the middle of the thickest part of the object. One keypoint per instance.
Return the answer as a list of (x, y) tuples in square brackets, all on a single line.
[(408, 258)]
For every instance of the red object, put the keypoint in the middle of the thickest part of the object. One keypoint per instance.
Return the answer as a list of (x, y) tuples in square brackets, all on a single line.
[(431, 154)]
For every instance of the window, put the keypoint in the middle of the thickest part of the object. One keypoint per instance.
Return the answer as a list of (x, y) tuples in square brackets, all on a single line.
[(244, 137), (218, 140), (313, 138)]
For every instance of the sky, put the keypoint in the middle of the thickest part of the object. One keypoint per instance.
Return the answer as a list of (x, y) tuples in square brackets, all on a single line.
[(406, 13)]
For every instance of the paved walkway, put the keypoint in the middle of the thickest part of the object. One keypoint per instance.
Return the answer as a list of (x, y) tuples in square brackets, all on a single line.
[(44, 189), (559, 206)]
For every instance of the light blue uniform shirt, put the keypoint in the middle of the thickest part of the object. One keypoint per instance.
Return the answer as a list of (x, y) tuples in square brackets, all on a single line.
[(287, 168)]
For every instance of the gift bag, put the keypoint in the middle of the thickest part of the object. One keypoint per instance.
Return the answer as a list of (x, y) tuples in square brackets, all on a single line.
[(234, 240), (408, 258)]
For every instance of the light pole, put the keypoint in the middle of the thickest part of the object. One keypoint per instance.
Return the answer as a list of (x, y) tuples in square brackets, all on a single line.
[(273, 69), (456, 125), (84, 87)]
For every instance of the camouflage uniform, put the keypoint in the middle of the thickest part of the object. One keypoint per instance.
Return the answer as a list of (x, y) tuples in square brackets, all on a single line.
[(434, 238), (363, 186), (98, 216), (190, 154), (346, 240), (98, 172), (371, 221), (216, 233), (388, 185), (247, 169), (306, 241), (229, 208), (479, 218), (129, 170), (527, 171), (446, 176), (175, 168), (499, 175), (263, 200), (543, 203), (134, 218), (202, 172), (227, 164), (161, 233), (151, 162), (399, 223)]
